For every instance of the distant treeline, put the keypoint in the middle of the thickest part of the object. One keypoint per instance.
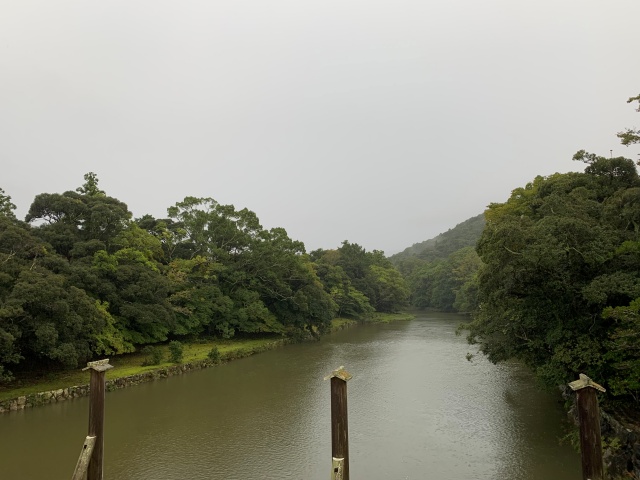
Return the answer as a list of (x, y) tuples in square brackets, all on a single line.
[(80, 278)]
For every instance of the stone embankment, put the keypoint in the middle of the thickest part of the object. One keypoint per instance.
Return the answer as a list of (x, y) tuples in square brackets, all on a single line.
[(63, 394)]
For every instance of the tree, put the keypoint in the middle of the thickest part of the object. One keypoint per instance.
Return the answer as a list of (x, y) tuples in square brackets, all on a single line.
[(176, 351), (560, 264), (351, 303), (391, 289), (234, 276), (624, 349), (630, 136), (6, 206), (90, 186), (352, 275), (71, 217)]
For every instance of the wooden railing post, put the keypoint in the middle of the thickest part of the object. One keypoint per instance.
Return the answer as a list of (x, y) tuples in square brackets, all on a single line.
[(339, 424), (96, 416), (589, 417)]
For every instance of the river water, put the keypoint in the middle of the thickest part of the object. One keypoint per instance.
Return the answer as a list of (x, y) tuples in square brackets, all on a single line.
[(417, 410)]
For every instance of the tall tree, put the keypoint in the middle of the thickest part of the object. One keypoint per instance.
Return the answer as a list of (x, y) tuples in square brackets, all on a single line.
[(631, 135), (90, 186), (7, 207)]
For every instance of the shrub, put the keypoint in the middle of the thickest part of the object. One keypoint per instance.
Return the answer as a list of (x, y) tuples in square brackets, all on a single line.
[(153, 355), (175, 351), (214, 355)]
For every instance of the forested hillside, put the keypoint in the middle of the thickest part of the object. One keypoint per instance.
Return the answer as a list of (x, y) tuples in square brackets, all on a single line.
[(465, 234), (441, 272), (80, 278)]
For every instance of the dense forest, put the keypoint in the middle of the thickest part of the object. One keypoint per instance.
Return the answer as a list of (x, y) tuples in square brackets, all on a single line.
[(550, 277), (442, 272), (80, 278)]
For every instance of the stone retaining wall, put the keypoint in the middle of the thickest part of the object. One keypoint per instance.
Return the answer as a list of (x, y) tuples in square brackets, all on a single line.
[(60, 395)]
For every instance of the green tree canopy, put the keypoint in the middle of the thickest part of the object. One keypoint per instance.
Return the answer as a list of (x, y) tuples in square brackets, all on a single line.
[(6, 206), (558, 254), (631, 135)]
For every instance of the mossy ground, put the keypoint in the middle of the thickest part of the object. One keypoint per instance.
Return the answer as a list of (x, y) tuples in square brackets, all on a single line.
[(132, 363)]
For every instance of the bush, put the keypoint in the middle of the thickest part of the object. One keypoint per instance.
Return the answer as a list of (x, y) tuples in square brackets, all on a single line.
[(153, 355), (214, 355), (175, 351), (6, 376)]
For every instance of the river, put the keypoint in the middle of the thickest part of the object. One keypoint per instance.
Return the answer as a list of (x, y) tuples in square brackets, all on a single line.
[(417, 410)]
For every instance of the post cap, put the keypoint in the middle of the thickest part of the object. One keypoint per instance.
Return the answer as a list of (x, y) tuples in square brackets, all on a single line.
[(584, 382), (98, 365), (340, 373)]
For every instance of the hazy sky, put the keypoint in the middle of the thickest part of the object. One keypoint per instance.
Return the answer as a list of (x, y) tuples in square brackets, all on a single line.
[(381, 122)]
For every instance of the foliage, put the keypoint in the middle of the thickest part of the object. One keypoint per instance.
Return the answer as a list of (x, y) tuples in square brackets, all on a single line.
[(214, 355), (630, 135), (83, 279), (360, 282), (176, 351), (561, 276), (465, 234), (153, 355), (623, 349), (90, 186), (442, 273), (6, 206)]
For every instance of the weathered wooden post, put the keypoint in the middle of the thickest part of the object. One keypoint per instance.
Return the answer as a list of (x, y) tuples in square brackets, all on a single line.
[(96, 415), (80, 473), (339, 424), (589, 417)]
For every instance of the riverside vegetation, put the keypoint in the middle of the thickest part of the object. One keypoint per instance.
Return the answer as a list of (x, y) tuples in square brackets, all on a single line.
[(155, 361), (81, 279)]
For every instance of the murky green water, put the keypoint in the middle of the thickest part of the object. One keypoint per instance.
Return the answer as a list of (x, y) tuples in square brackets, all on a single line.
[(417, 410)]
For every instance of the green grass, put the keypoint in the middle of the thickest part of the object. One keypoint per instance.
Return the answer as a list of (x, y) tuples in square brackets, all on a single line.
[(376, 317), (379, 317), (340, 323), (131, 364)]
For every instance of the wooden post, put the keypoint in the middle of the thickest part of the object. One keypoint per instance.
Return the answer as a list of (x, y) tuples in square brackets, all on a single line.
[(339, 424), (589, 417), (337, 469), (96, 416), (83, 460)]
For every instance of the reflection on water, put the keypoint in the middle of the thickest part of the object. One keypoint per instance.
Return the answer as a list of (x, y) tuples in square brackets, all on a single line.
[(417, 410)]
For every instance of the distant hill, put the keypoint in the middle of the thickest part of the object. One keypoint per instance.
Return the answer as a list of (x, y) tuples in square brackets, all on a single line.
[(465, 234)]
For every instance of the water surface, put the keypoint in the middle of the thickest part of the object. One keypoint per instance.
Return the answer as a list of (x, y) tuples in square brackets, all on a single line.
[(417, 410)]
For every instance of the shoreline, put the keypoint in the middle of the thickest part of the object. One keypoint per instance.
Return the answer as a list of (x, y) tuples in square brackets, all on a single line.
[(230, 350)]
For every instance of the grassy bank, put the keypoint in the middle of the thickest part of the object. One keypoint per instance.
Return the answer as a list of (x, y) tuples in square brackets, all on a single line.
[(132, 363), (390, 317)]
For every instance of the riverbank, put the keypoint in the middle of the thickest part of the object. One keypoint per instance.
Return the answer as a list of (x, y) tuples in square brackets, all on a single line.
[(130, 369)]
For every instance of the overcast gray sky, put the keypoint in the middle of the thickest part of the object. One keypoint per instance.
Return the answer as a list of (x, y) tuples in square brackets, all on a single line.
[(381, 122)]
